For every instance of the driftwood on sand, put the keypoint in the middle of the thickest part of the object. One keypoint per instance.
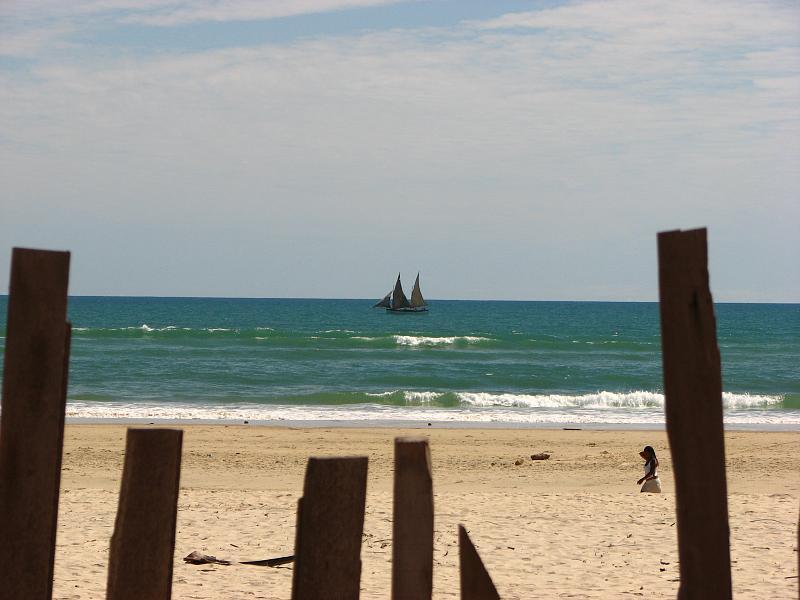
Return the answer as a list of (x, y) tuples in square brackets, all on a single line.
[(269, 562), (198, 558)]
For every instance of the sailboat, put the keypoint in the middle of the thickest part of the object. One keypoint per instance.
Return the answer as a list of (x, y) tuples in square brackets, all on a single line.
[(396, 301)]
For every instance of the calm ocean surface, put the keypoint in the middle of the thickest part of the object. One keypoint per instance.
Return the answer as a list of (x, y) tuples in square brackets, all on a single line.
[(464, 361)]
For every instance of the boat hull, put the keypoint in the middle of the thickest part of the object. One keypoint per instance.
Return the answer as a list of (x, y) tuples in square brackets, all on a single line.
[(418, 309)]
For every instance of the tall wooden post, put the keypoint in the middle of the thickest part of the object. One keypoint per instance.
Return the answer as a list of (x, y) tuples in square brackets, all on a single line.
[(476, 584), (330, 523), (693, 390), (412, 535), (143, 544), (32, 424)]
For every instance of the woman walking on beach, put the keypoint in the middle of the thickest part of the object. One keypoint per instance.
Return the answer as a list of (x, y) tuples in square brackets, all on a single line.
[(651, 481)]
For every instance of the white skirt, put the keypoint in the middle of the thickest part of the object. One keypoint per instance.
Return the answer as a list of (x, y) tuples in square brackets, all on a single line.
[(652, 486)]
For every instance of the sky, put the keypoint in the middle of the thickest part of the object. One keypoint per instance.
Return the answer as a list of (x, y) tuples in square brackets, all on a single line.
[(316, 148)]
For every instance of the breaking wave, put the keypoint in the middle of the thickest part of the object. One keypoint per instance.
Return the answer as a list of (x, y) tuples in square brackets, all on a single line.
[(599, 400), (414, 340), (391, 414), (420, 406), (341, 336)]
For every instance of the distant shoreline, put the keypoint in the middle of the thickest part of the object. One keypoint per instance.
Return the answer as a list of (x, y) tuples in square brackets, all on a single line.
[(315, 299)]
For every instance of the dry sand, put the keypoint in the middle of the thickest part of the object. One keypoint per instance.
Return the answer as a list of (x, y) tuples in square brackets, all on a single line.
[(574, 526)]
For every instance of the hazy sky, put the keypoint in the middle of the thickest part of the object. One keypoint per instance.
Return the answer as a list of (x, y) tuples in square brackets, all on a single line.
[(505, 149)]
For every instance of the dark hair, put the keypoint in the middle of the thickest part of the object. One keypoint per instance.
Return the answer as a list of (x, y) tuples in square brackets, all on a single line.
[(649, 451)]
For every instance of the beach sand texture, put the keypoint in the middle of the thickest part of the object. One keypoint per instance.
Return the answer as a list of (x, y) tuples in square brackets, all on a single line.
[(573, 526)]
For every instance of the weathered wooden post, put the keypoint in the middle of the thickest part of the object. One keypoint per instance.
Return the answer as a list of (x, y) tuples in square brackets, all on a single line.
[(32, 425), (412, 534), (693, 390), (330, 523), (143, 544), (475, 581)]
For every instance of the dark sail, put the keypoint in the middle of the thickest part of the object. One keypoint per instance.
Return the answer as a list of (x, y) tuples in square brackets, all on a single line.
[(385, 303), (417, 301), (399, 299)]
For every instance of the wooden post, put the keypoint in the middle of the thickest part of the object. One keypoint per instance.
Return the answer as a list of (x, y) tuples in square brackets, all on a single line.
[(143, 544), (330, 523), (32, 425), (693, 390), (475, 581), (412, 535)]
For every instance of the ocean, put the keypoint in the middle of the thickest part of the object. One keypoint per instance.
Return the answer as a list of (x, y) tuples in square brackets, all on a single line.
[(487, 362)]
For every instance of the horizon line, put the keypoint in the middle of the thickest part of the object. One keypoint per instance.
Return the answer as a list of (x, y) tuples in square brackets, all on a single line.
[(191, 297)]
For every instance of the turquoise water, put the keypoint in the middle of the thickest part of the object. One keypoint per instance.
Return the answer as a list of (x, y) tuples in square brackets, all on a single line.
[(515, 362)]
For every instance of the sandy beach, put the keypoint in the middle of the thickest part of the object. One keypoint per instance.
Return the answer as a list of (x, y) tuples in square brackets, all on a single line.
[(573, 526)]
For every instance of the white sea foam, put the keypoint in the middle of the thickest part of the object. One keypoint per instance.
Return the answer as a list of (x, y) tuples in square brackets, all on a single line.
[(144, 327), (215, 329), (422, 397), (395, 414), (601, 400), (731, 400), (414, 340), (598, 400)]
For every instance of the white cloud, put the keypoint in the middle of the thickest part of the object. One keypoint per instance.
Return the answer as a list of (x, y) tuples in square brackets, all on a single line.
[(656, 21), (28, 43), (177, 12)]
